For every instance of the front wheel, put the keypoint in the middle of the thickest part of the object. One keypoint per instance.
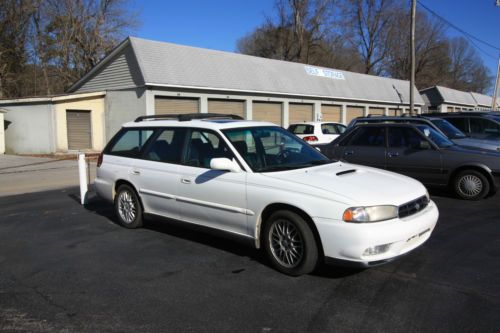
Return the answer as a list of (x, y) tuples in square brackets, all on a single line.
[(471, 185), (290, 244), (128, 208)]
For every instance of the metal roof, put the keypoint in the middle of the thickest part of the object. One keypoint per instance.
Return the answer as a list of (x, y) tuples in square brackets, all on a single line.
[(171, 65), (453, 96), (483, 100)]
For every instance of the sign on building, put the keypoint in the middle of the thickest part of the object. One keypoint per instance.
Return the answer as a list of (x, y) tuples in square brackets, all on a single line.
[(323, 72)]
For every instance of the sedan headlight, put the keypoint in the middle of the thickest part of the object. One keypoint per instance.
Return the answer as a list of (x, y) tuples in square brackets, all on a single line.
[(370, 214)]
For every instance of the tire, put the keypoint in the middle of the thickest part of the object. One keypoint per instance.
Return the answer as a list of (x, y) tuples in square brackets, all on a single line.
[(471, 185), (128, 208), (290, 244)]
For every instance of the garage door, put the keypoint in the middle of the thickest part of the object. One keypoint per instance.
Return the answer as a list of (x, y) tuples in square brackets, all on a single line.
[(395, 112), (299, 113), (173, 105), (449, 109), (78, 128), (353, 112), (264, 111), (227, 107), (376, 111), (331, 113)]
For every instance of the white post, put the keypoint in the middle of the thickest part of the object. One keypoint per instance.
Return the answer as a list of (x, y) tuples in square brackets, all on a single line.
[(82, 171)]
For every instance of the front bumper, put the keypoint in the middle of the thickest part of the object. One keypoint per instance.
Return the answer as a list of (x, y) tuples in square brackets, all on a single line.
[(355, 244)]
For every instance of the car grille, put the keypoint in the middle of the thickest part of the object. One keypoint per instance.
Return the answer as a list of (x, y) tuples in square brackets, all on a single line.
[(413, 206)]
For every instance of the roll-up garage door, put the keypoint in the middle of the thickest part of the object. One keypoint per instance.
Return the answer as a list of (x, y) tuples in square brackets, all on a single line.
[(353, 112), (395, 112), (299, 113), (331, 113), (450, 109), (174, 105), (226, 107), (376, 111), (79, 129), (265, 111)]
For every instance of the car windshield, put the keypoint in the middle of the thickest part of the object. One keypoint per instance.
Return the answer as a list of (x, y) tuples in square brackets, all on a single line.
[(270, 148), (447, 128), (439, 139)]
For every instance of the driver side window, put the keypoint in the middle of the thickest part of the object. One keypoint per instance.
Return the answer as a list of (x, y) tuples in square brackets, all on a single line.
[(404, 137), (202, 146)]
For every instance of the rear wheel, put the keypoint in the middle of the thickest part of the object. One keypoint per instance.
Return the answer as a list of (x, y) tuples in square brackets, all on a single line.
[(127, 207), (290, 244), (471, 185)]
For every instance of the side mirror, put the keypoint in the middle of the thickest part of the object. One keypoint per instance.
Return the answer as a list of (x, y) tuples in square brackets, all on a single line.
[(425, 144), (225, 164)]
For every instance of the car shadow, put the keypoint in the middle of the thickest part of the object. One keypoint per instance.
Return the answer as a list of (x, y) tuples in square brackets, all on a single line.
[(208, 237)]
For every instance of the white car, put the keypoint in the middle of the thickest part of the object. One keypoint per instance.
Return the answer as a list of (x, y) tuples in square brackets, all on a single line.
[(317, 132), (258, 181)]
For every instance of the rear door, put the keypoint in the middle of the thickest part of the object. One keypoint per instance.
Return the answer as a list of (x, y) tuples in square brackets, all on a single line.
[(157, 172), (366, 146), (407, 155)]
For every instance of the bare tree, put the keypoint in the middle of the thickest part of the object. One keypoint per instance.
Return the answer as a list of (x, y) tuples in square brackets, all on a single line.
[(368, 25)]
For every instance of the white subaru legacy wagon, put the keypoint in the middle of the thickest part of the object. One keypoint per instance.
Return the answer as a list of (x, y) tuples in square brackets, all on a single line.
[(258, 181)]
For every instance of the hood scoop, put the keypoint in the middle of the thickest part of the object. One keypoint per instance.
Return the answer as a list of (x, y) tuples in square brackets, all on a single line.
[(345, 172)]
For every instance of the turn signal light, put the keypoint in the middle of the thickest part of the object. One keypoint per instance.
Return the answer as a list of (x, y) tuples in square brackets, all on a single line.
[(310, 138)]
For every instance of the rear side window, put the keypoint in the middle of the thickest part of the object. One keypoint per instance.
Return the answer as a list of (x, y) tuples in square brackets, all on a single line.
[(130, 142), (481, 125), (460, 123), (302, 129), (167, 146), (367, 136)]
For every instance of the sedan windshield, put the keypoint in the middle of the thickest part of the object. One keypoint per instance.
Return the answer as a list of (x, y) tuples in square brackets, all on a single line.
[(439, 139), (447, 128), (270, 148)]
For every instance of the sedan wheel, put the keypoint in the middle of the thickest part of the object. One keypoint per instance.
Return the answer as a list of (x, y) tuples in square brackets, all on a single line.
[(128, 208), (471, 185), (290, 243)]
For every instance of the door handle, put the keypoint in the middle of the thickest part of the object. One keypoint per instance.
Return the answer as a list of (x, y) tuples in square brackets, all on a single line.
[(135, 172), (185, 181), (349, 152), (393, 154)]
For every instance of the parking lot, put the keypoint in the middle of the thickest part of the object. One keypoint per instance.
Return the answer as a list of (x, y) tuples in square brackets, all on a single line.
[(64, 267)]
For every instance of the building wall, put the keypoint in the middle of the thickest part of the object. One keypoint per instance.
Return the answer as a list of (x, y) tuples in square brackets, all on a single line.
[(2, 134), (32, 130), (96, 106), (123, 106), (204, 96)]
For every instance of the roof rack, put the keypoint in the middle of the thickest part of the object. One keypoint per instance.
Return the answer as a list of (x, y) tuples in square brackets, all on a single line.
[(188, 116)]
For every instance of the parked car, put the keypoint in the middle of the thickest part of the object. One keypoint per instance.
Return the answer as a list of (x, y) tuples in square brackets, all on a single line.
[(260, 182), (440, 124), (421, 152), (477, 124), (317, 132)]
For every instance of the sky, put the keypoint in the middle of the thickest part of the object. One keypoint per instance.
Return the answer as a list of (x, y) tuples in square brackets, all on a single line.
[(218, 24)]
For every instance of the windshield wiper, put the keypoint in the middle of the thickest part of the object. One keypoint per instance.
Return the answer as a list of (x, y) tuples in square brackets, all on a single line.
[(278, 168)]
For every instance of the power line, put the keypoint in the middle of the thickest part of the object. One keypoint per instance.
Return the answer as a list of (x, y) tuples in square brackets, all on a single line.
[(468, 35)]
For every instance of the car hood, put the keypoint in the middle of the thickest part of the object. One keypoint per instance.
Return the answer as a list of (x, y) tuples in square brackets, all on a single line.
[(482, 143), (354, 184)]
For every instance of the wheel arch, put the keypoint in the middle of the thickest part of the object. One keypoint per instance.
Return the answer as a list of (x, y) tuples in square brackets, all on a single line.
[(476, 167), (120, 182), (271, 208)]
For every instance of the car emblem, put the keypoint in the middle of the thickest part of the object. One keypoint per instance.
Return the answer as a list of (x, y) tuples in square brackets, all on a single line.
[(417, 206)]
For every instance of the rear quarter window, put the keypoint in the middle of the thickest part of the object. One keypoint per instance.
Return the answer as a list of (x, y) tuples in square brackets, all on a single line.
[(302, 129), (130, 142)]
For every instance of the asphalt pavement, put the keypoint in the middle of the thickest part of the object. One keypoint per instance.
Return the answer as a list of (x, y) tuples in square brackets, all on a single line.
[(67, 268)]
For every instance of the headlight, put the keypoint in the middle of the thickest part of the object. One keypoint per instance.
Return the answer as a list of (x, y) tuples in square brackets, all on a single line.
[(370, 214)]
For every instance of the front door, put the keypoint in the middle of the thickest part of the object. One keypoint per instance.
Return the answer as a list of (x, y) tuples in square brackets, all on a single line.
[(209, 197), (408, 155)]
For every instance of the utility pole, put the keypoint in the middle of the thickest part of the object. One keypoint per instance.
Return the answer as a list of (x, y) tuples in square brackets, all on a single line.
[(412, 51), (497, 83)]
